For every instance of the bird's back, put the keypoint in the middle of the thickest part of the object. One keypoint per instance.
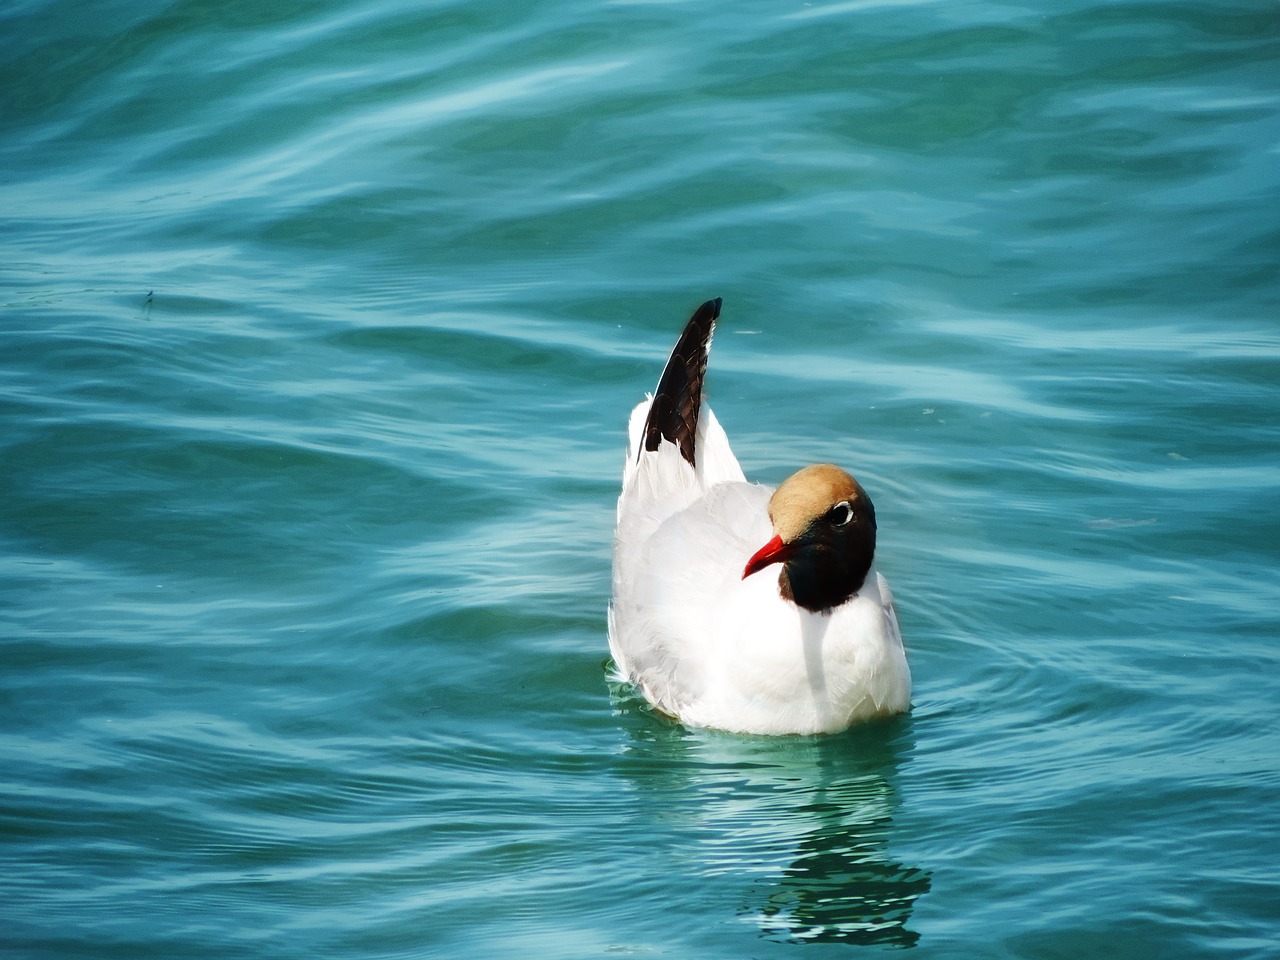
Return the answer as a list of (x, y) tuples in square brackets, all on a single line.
[(675, 572)]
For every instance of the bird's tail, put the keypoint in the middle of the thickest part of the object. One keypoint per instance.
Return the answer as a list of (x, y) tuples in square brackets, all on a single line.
[(677, 403)]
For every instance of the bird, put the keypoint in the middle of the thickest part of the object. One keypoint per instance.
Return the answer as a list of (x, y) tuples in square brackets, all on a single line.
[(735, 606)]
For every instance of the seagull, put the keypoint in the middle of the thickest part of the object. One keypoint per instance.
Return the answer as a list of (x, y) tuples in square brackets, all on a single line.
[(735, 606)]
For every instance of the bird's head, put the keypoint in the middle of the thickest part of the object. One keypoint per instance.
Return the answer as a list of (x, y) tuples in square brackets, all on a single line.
[(825, 537)]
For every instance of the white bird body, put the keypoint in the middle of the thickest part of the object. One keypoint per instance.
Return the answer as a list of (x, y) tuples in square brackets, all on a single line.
[(712, 646)]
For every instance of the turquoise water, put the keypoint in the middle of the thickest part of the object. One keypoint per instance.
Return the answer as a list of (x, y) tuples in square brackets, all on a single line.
[(320, 324)]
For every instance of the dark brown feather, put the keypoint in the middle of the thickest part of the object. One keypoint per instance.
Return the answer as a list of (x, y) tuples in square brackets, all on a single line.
[(673, 415)]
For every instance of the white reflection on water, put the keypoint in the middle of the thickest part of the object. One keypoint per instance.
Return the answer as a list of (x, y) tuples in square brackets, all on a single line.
[(801, 826)]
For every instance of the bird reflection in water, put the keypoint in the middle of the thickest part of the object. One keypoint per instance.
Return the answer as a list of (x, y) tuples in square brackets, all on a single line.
[(800, 826), (842, 886)]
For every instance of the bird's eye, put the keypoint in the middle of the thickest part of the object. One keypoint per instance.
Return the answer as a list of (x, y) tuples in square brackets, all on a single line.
[(840, 514)]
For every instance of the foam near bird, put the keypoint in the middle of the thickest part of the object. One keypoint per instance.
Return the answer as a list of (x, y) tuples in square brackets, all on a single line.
[(736, 606)]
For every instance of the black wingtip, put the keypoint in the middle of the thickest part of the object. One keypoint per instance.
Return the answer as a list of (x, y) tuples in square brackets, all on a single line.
[(673, 415)]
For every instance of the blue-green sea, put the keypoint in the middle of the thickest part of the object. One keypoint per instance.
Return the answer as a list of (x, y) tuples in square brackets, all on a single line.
[(319, 327)]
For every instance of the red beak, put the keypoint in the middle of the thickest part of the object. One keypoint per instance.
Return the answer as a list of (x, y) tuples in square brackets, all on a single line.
[(774, 551)]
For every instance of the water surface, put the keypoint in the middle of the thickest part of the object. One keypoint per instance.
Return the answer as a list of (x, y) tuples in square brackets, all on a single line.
[(319, 324)]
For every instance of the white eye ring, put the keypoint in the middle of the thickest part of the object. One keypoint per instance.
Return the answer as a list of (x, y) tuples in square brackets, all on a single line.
[(841, 514)]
